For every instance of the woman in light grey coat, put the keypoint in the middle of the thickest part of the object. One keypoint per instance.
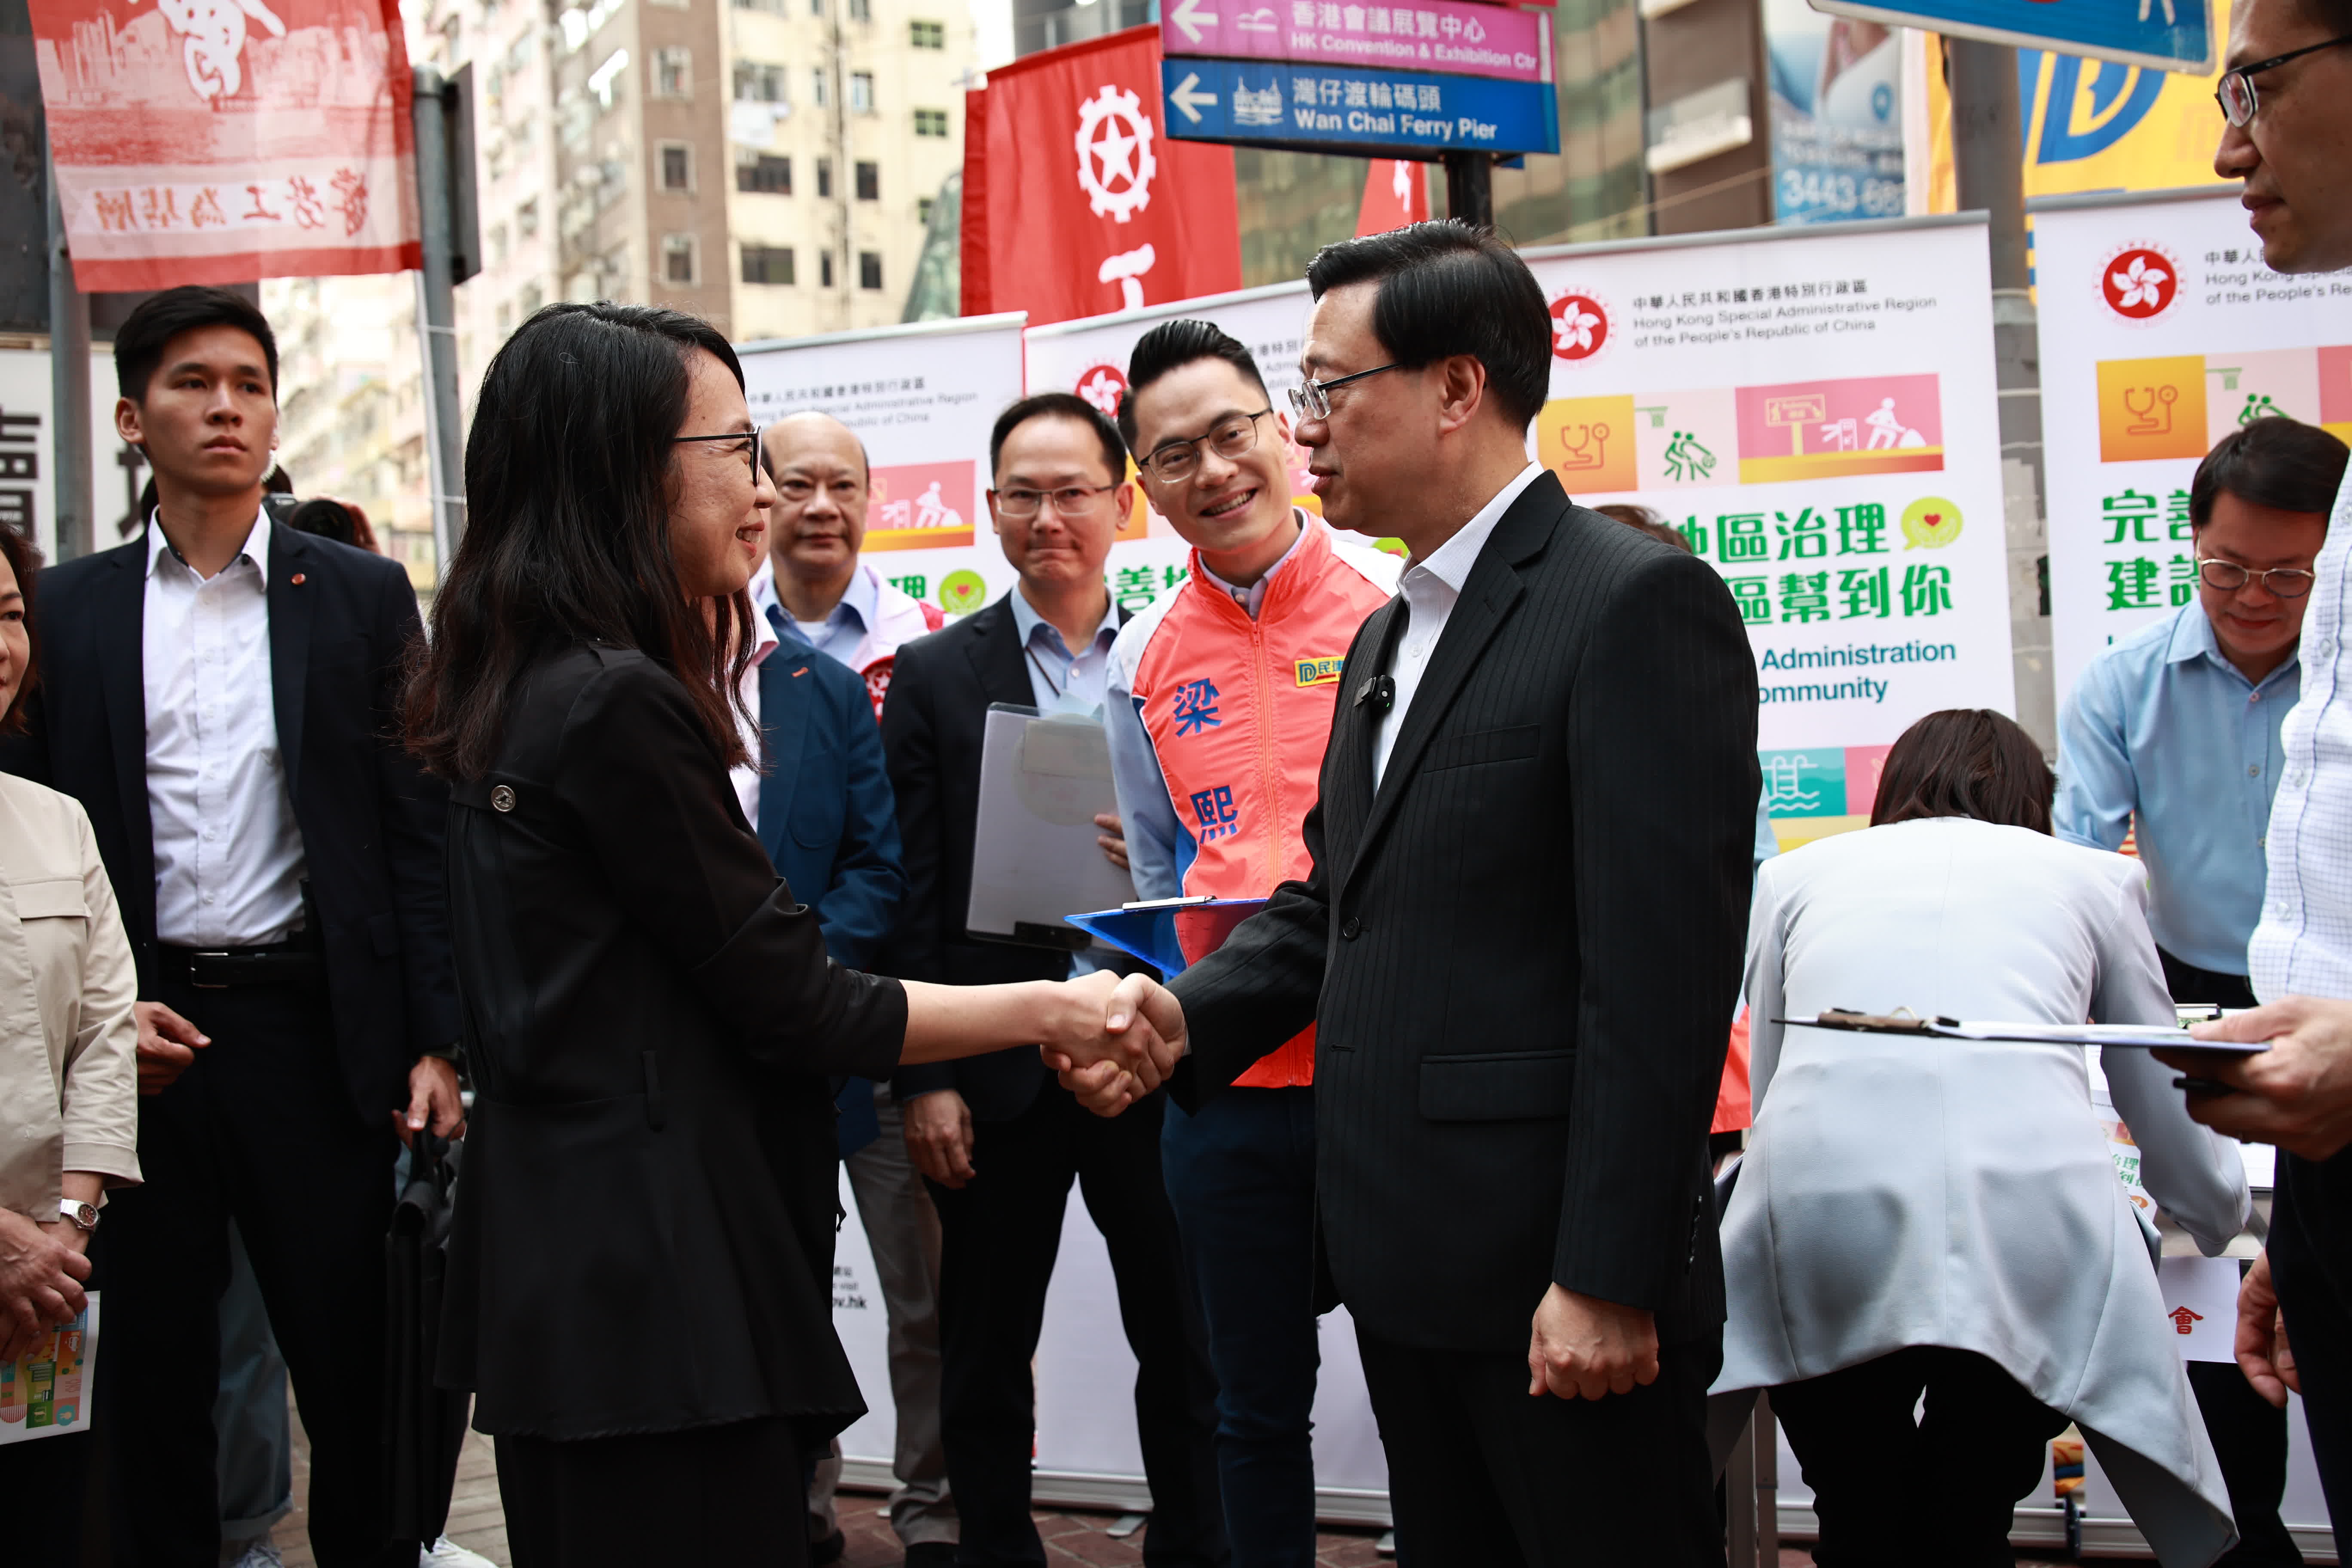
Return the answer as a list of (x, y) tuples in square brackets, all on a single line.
[(1942, 1218)]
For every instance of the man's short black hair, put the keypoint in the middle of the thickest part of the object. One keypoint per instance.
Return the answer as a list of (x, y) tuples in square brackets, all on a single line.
[(2272, 461), (1059, 405), (1448, 289), (139, 342), (1171, 345)]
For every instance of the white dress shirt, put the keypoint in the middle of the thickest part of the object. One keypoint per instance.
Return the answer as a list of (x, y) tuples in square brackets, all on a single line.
[(766, 611), (2304, 942), (1429, 590), (228, 854)]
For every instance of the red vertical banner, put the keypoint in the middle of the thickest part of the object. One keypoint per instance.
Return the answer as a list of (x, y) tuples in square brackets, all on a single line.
[(1076, 201), (1396, 192), (228, 140)]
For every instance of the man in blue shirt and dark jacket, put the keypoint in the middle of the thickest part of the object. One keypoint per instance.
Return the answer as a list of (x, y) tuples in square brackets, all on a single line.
[(2175, 731)]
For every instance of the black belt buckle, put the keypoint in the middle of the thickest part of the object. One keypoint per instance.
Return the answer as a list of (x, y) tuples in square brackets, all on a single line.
[(217, 970)]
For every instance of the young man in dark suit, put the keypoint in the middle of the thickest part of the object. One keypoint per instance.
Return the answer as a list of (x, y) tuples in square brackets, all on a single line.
[(221, 695), (1000, 1142), (1518, 942)]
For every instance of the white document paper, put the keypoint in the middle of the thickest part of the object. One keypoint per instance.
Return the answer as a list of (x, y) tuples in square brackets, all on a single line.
[(2200, 1305), (1033, 854)]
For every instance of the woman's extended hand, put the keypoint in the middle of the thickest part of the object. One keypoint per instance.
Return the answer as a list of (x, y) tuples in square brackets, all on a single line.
[(1130, 1052)]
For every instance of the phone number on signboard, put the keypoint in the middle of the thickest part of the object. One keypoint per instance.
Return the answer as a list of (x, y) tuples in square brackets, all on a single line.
[(1813, 190)]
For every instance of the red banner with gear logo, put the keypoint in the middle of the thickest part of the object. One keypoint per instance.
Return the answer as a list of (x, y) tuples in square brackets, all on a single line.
[(1076, 201), (226, 141)]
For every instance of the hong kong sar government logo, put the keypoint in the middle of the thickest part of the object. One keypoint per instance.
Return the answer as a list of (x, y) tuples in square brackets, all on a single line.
[(1580, 326), (1102, 385), (2140, 282)]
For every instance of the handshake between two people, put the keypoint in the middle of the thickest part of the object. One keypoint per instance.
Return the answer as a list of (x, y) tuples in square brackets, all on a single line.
[(1138, 1045)]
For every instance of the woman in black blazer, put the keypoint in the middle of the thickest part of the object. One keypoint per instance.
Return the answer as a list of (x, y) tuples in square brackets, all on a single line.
[(641, 1266)]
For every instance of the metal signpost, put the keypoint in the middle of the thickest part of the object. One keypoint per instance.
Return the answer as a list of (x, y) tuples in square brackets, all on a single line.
[(1463, 83)]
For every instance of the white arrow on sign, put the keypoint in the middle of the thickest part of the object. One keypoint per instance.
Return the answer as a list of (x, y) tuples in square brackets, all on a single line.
[(1192, 18), (1190, 101)]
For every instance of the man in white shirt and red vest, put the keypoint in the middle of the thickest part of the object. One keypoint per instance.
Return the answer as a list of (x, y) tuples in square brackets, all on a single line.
[(1218, 701), (2287, 93)]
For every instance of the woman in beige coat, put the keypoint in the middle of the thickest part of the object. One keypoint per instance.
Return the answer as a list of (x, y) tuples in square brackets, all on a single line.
[(68, 1081)]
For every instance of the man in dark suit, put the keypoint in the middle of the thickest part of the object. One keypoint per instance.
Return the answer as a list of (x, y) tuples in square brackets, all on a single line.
[(1518, 942), (1000, 1142), (220, 694)]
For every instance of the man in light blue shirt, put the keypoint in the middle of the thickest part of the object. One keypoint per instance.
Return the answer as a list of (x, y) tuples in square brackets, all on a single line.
[(2176, 729)]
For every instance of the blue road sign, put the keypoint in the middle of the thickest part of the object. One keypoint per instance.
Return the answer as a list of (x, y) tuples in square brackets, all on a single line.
[(2162, 35), (1279, 105)]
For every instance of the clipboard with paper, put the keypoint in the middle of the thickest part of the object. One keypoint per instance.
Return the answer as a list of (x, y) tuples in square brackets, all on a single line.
[(1169, 934), (1043, 780)]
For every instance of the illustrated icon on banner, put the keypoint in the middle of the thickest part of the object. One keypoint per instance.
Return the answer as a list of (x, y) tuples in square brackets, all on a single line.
[(2140, 282), (1115, 161), (1930, 522), (1579, 326), (1102, 385), (960, 593)]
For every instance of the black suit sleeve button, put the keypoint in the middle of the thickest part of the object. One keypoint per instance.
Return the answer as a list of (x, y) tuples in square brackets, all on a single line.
[(1352, 930)]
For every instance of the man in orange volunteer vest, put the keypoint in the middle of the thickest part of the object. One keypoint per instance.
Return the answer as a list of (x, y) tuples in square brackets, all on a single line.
[(1218, 700)]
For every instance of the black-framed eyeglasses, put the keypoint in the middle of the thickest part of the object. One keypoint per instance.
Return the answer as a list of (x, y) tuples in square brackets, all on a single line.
[(1312, 399), (2235, 91), (751, 453), (2228, 577), (1070, 501), (1234, 435)]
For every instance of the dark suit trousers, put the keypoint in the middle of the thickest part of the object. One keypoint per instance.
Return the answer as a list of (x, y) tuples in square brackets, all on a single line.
[(260, 1130), (707, 1496), (998, 1235), (1483, 1475), (2311, 1265), (1977, 1450)]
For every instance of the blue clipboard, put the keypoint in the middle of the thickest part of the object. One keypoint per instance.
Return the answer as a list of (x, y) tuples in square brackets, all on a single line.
[(1169, 934)]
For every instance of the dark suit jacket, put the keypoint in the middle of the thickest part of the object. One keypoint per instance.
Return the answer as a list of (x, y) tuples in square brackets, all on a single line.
[(1521, 954), (827, 818), (370, 820), (932, 722), (651, 1018)]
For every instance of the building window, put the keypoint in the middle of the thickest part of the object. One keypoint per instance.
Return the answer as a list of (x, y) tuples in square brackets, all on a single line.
[(869, 269), (677, 166), (825, 268), (527, 218), (820, 89), (531, 300), (825, 179), (673, 72), (931, 123), (923, 211), (677, 259), (928, 35), (506, 319), (861, 91), (768, 263), (861, 10), (869, 181), (816, 7), (605, 81), (759, 83), (765, 175)]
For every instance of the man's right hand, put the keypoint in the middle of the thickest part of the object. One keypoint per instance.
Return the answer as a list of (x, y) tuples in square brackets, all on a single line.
[(938, 1135), (2297, 1094), (2260, 1348), (168, 1045), (41, 1283)]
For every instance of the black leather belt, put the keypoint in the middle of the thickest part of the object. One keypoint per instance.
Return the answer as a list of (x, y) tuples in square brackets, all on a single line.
[(216, 968)]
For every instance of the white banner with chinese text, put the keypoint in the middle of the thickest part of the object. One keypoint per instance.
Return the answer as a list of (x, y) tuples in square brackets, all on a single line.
[(2161, 333)]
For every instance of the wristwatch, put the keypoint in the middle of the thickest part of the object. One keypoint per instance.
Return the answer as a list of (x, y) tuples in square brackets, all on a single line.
[(84, 1215)]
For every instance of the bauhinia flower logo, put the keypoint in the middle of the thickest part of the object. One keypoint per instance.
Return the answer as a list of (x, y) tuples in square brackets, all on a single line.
[(1580, 326), (2140, 282)]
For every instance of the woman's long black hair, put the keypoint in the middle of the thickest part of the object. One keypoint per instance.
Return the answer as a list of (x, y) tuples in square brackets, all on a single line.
[(567, 532)]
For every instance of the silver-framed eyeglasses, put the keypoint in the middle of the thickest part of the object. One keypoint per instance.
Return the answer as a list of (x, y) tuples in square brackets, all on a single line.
[(1233, 435), (749, 454), (2228, 577), (1312, 399), (2235, 91), (1070, 501)]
